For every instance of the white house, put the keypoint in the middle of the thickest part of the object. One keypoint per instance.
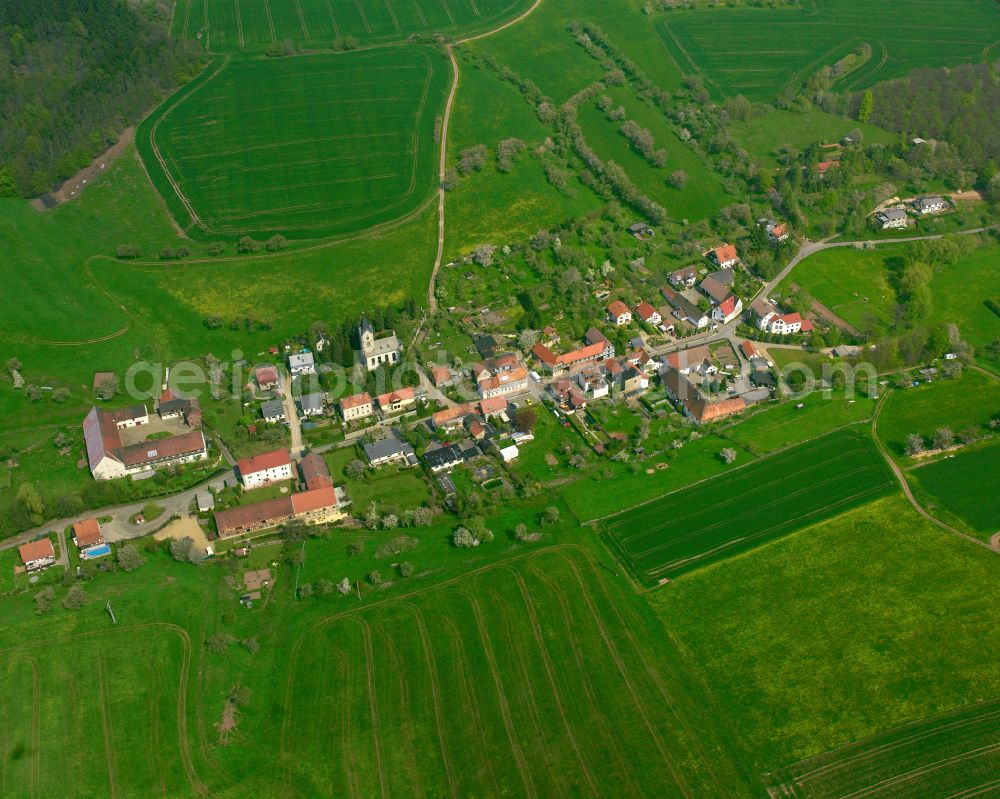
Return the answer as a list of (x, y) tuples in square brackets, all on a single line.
[(273, 411), (302, 363), (375, 352), (261, 470), (357, 406), (648, 314), (785, 324), (619, 314), (725, 256), (727, 310), (892, 218), (591, 379), (929, 205), (37, 554), (312, 404)]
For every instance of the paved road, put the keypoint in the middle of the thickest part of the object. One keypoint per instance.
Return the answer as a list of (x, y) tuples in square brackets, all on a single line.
[(291, 414)]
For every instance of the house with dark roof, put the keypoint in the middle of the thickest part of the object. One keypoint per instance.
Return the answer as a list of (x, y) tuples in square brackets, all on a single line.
[(684, 309), (312, 404), (273, 411), (443, 459), (302, 363), (683, 278), (388, 451), (314, 472), (892, 219)]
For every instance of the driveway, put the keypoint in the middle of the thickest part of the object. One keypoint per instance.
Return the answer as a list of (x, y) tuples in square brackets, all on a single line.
[(291, 414)]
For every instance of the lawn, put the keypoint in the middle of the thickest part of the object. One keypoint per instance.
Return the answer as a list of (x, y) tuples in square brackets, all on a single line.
[(970, 401), (762, 135), (759, 53), (948, 755), (964, 486), (699, 525), (226, 26), (844, 630), (392, 490), (306, 147)]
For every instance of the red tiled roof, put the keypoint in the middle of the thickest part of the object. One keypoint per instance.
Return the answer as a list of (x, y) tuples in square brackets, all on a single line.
[(266, 374), (807, 326), (710, 411), (822, 166), (259, 513), (316, 499), (451, 415), (515, 375), (492, 405), (749, 349), (617, 308), (440, 374), (36, 550), (356, 400), (727, 252), (779, 230), (87, 533), (159, 449), (728, 305), (268, 460), (399, 395), (645, 311)]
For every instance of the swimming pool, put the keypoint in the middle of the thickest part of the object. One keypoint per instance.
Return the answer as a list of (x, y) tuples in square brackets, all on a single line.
[(96, 552)]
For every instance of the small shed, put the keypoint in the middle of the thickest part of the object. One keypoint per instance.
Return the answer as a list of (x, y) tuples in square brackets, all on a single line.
[(205, 500)]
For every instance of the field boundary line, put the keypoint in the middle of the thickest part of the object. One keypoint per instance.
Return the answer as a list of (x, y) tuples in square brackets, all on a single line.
[(364, 17), (922, 770), (302, 20), (392, 15), (333, 18), (239, 23), (366, 635), (270, 19)]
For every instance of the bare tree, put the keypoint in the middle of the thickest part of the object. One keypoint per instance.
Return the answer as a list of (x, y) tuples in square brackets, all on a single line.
[(914, 444), (943, 438), (728, 455)]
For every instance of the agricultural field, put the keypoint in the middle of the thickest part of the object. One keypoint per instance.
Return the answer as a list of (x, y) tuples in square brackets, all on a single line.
[(748, 506), (962, 488), (534, 678), (840, 632), (954, 754), (970, 401), (307, 147), (761, 52), (231, 25), (122, 691)]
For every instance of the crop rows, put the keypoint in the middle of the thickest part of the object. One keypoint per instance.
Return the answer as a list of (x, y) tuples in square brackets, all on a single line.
[(305, 146), (759, 53), (521, 681), (748, 506), (954, 755), (231, 25)]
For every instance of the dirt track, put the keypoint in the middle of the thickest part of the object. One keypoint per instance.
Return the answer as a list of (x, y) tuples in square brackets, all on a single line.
[(74, 187)]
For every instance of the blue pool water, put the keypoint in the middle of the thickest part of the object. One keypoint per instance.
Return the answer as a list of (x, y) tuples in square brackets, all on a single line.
[(96, 552)]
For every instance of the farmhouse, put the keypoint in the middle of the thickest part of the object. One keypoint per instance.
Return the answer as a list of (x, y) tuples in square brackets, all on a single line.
[(648, 314), (87, 534), (396, 401), (110, 457), (377, 351), (683, 278), (261, 470), (598, 347), (266, 377), (725, 256), (929, 205), (37, 554), (312, 404), (273, 411), (892, 218), (302, 363), (390, 450), (314, 472), (357, 406), (684, 309), (694, 404), (316, 506), (619, 314)]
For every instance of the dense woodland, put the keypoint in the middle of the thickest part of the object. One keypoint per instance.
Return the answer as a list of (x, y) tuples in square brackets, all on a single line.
[(957, 105), (73, 74)]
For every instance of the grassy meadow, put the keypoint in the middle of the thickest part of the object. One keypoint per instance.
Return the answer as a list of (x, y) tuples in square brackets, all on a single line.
[(224, 26), (309, 146), (970, 401), (761, 52), (843, 630), (962, 489), (748, 506)]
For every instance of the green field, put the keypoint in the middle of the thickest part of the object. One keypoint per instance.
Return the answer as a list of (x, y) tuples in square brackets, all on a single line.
[(762, 135), (530, 680), (954, 754), (772, 497), (309, 146), (760, 52), (871, 620), (229, 25), (964, 486), (970, 401)]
